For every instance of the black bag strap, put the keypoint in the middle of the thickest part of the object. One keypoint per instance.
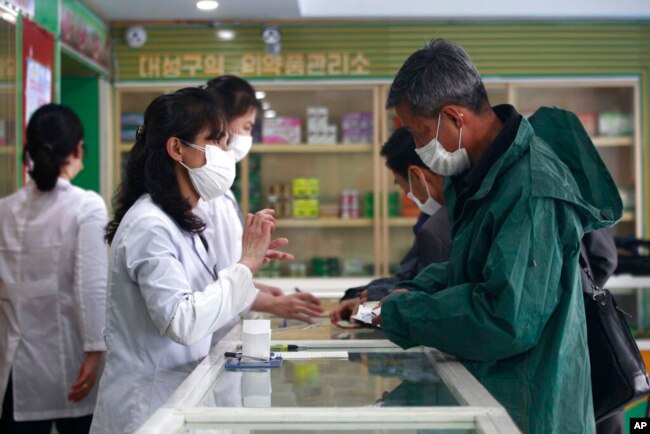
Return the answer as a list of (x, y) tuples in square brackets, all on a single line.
[(595, 289)]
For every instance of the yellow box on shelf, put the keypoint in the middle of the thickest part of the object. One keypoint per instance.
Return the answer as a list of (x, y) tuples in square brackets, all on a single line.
[(305, 187), (305, 208)]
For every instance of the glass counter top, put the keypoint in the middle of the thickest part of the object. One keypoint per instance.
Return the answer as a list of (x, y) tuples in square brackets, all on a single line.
[(331, 385), (325, 428), (381, 377), (322, 329)]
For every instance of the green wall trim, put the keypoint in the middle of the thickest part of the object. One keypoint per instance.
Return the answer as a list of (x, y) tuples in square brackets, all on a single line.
[(81, 94), (19, 101), (316, 52), (93, 66), (46, 15), (57, 70), (644, 182)]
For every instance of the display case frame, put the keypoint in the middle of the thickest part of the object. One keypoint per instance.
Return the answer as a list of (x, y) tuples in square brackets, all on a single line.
[(477, 409)]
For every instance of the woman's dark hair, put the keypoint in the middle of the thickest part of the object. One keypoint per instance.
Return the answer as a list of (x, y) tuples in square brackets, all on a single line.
[(53, 133), (237, 94), (399, 152), (184, 114)]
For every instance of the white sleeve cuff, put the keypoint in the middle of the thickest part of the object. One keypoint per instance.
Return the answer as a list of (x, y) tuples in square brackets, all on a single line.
[(202, 313)]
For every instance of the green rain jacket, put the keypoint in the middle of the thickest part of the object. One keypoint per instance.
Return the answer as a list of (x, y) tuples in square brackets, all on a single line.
[(509, 302)]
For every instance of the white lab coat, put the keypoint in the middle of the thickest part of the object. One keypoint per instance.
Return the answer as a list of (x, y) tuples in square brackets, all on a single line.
[(53, 267), (223, 231), (224, 228), (164, 301)]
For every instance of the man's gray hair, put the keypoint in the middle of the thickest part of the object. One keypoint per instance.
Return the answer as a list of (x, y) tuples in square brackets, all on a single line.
[(436, 75)]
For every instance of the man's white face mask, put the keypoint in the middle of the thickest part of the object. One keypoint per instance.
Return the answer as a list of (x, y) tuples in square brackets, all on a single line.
[(240, 146), (430, 206), (441, 161), (217, 175)]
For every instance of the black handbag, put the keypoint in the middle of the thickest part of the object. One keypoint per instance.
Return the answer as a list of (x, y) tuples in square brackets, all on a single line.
[(618, 374)]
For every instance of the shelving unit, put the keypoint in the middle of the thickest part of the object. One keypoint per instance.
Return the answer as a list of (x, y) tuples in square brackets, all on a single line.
[(594, 97), (303, 148), (9, 161), (338, 167), (380, 241), (324, 223)]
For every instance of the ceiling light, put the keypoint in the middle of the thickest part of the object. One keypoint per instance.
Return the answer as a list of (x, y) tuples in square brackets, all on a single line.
[(8, 17), (260, 94), (266, 105), (270, 114), (8, 12), (226, 34), (207, 5)]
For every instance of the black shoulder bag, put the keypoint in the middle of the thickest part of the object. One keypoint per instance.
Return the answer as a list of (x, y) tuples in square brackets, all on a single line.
[(618, 374)]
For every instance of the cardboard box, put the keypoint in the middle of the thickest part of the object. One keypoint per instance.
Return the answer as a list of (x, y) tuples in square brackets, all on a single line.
[(615, 124), (282, 130), (589, 121), (305, 187), (305, 208)]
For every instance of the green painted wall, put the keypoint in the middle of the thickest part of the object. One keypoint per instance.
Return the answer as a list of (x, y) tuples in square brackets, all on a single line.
[(46, 15), (376, 50), (82, 95)]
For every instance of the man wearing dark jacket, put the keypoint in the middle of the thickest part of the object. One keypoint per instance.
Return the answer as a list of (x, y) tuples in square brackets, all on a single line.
[(432, 232)]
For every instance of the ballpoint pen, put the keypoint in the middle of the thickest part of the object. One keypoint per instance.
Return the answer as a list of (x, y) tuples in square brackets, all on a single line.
[(240, 356), (285, 347), (279, 347)]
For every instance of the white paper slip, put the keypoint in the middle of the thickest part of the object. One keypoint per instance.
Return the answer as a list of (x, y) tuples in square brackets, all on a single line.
[(304, 355), (256, 338), (367, 312)]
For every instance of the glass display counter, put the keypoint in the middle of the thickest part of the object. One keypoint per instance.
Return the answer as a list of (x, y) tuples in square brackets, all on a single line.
[(332, 385)]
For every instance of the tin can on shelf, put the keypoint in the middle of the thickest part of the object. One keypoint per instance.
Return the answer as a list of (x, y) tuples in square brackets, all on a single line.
[(393, 204), (349, 204), (369, 204), (318, 266)]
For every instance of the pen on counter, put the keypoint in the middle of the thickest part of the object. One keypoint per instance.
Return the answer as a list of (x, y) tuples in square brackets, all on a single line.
[(284, 347), (240, 355), (279, 347)]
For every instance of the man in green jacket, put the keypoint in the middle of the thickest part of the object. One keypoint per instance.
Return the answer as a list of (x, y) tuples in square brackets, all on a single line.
[(509, 302)]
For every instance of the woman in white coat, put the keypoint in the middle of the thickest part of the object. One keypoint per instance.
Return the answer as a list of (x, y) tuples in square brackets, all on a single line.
[(166, 291), (53, 268), (222, 215)]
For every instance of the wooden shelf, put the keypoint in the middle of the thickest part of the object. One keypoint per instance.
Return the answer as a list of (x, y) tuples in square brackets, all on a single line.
[(294, 149), (401, 221), (324, 223), (604, 141), (304, 148)]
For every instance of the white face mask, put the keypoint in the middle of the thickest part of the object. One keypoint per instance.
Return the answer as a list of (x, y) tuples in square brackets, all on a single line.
[(441, 161), (216, 176), (240, 146), (430, 206)]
